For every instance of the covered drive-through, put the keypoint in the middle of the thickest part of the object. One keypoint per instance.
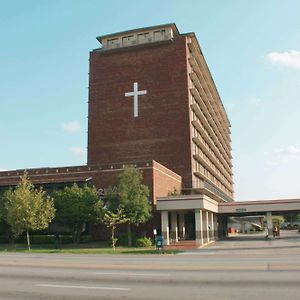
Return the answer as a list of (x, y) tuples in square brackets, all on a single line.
[(203, 219)]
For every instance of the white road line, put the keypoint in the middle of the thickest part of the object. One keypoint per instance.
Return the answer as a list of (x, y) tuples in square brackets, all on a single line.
[(133, 274), (84, 287)]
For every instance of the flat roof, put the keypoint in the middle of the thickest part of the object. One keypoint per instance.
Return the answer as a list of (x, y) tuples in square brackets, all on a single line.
[(255, 202), (130, 31), (201, 201), (50, 180)]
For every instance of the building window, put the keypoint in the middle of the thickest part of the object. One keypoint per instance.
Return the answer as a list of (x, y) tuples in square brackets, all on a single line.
[(113, 43), (128, 40), (159, 35), (195, 149), (144, 37), (197, 182)]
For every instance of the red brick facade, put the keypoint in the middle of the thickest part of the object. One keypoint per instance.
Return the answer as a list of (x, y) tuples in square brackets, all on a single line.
[(159, 179), (161, 131)]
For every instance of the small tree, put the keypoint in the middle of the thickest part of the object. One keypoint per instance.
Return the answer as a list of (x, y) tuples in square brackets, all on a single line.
[(28, 208), (133, 196), (175, 192), (77, 206), (278, 220), (111, 220)]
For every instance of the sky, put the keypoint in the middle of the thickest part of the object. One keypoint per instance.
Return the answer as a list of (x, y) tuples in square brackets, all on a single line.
[(252, 48)]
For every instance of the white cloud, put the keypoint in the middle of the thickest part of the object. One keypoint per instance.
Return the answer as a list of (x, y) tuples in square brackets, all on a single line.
[(77, 151), (71, 127), (280, 156), (289, 151), (2, 170), (288, 59)]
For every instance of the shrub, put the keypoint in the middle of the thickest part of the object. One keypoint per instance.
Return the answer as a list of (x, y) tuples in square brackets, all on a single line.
[(66, 239), (144, 242), (87, 238), (4, 240), (123, 239), (44, 239)]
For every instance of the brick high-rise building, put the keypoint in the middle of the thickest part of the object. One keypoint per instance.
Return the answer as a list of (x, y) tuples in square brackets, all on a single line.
[(152, 97), (154, 105)]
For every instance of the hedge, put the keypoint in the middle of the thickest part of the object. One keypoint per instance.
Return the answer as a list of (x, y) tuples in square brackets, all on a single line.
[(143, 242), (46, 239)]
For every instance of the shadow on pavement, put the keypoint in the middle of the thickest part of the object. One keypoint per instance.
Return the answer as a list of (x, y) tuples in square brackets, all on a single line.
[(287, 240)]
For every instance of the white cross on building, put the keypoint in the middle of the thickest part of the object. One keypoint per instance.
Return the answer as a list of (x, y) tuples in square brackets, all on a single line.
[(135, 94)]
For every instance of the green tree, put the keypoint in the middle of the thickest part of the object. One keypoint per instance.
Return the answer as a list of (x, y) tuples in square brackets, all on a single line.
[(28, 208), (77, 206), (133, 196), (1, 208), (278, 220), (111, 220), (175, 192)]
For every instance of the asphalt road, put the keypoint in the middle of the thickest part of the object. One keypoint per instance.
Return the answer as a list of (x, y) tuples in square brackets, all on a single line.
[(237, 269)]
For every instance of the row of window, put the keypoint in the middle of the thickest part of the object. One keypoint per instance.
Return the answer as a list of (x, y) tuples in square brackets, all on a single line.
[(139, 38), (208, 124), (196, 134), (218, 192), (198, 151), (202, 170), (192, 84)]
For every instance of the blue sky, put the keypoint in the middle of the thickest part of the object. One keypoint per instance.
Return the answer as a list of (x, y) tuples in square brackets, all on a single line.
[(252, 49)]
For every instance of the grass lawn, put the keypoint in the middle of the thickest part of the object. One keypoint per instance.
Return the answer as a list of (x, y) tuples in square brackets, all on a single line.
[(74, 249)]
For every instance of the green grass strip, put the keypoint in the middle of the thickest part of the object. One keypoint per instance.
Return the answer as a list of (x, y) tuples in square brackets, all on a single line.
[(119, 250)]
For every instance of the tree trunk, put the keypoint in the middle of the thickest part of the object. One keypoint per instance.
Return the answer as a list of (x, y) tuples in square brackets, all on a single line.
[(78, 236), (113, 238), (129, 235), (74, 235), (28, 240)]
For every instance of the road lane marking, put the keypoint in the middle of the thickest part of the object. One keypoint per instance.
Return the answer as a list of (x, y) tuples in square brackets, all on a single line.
[(83, 287), (132, 274)]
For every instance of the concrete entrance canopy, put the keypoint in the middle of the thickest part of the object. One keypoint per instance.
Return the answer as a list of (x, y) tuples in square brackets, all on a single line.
[(210, 217), (186, 202), (259, 207), (266, 207)]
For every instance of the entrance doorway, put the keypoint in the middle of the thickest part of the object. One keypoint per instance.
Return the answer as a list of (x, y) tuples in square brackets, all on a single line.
[(190, 232)]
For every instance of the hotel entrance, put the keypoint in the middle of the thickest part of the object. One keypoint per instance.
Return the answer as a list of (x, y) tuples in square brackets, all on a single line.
[(190, 229), (188, 218)]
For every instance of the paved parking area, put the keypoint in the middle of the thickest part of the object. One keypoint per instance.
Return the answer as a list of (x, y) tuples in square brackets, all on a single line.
[(289, 240)]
